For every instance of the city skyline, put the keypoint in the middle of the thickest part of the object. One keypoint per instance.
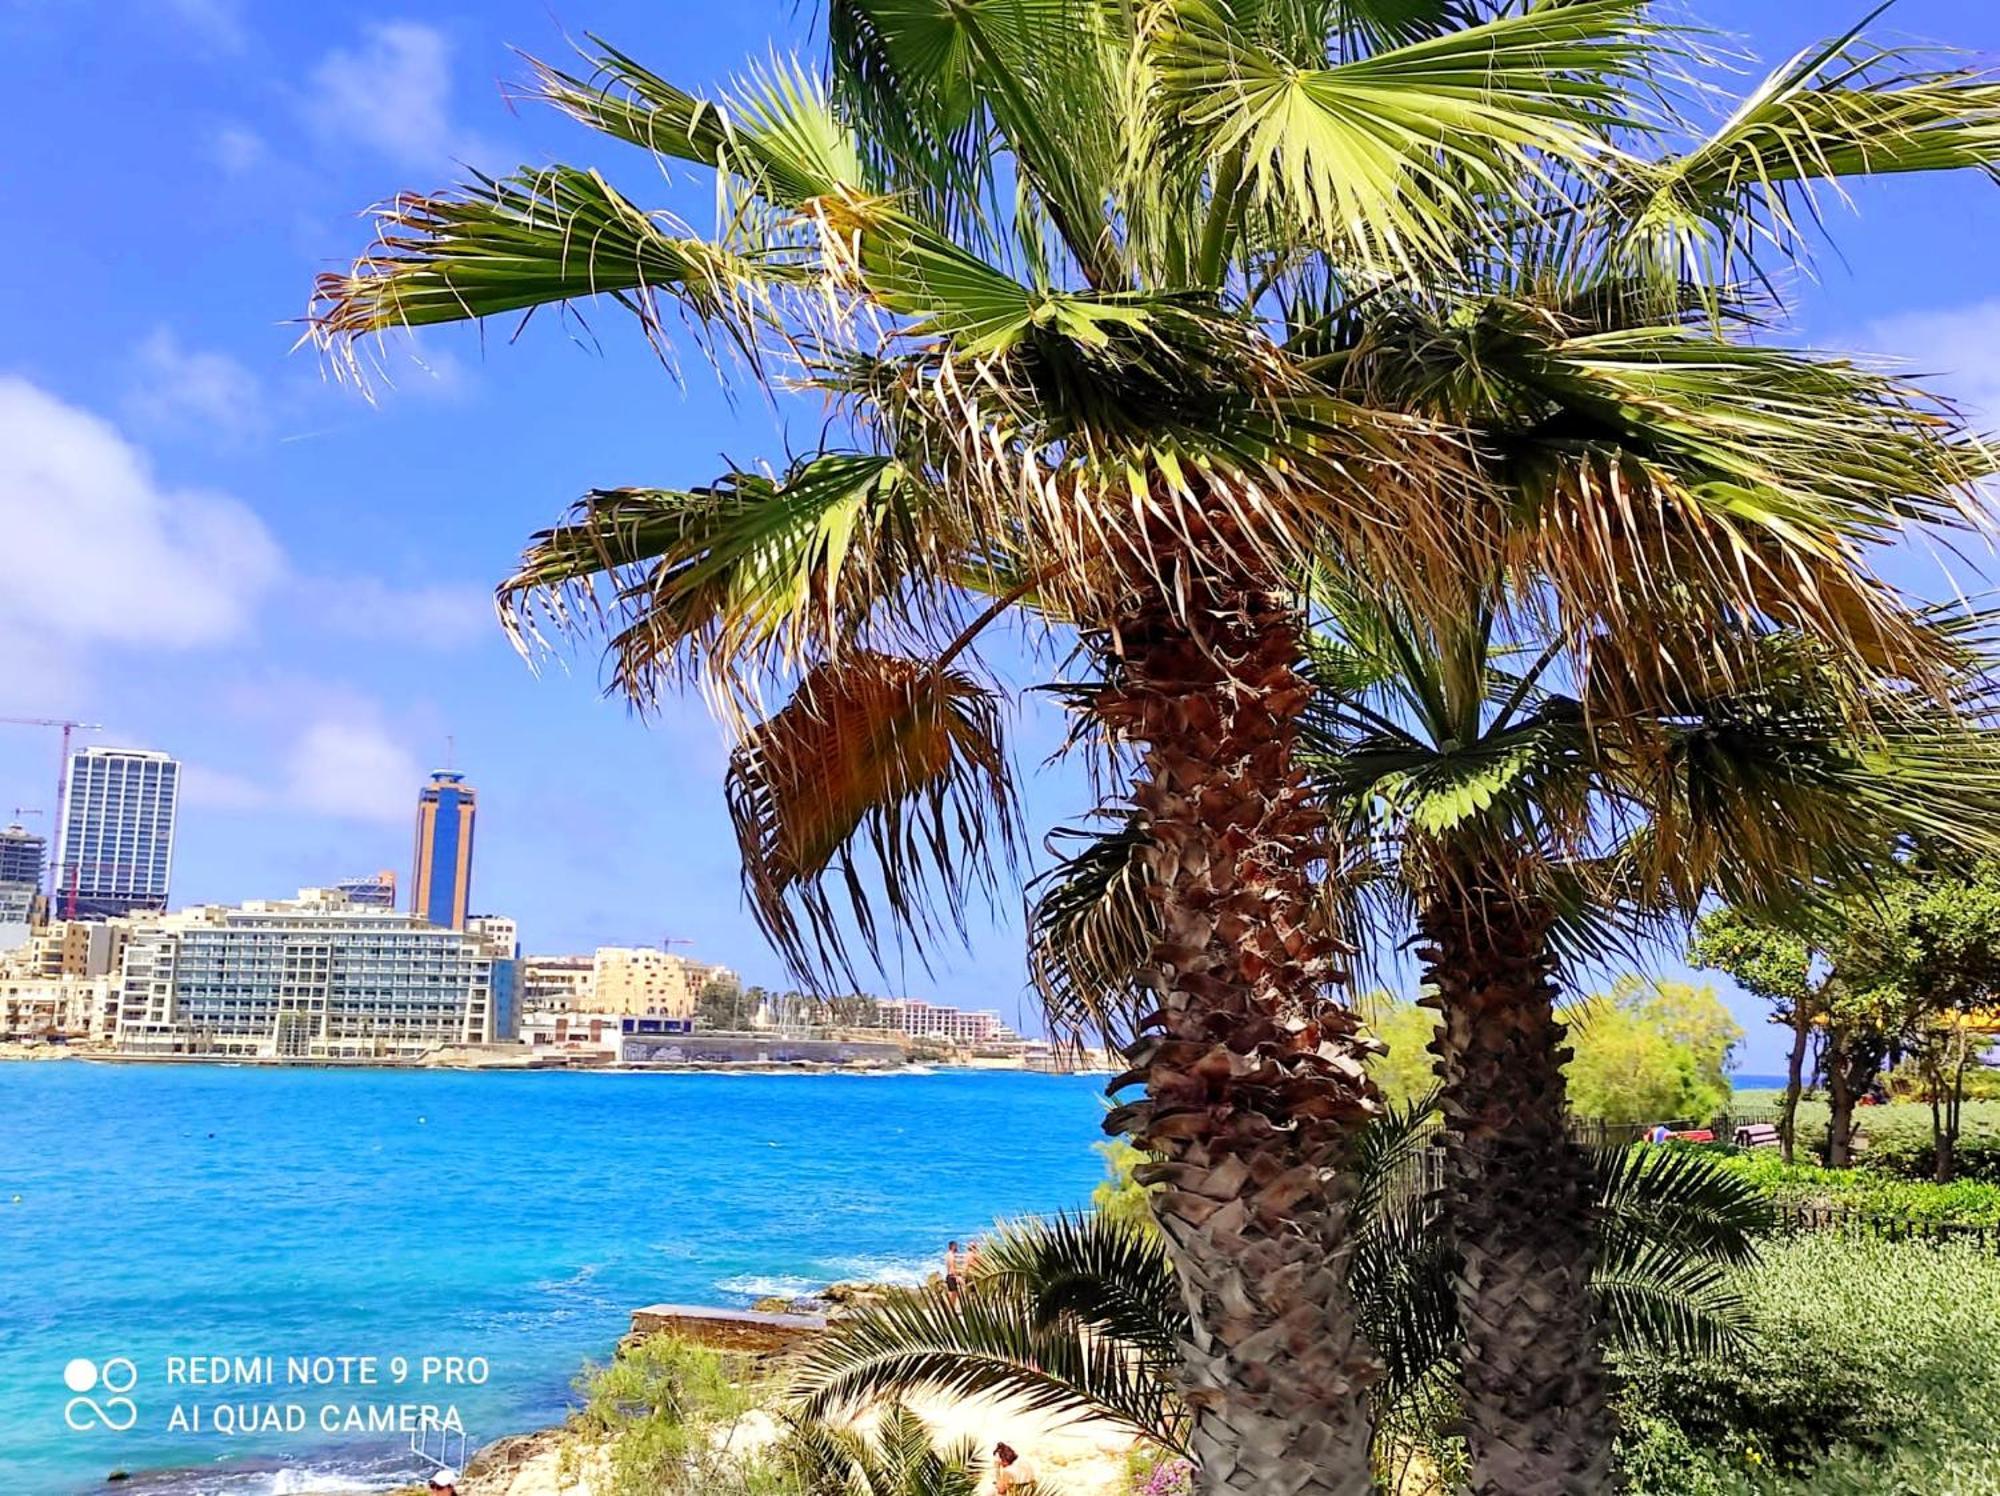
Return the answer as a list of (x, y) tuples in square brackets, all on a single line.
[(228, 557)]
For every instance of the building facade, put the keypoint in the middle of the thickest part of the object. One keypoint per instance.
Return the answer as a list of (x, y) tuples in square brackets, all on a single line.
[(441, 882), (115, 854), (57, 1007), (376, 891), (923, 1020), (497, 933), (23, 855), (642, 982), (558, 984), (316, 977)]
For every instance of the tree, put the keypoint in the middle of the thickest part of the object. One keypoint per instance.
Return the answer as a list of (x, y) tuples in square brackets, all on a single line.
[(1405, 1030), (1083, 1317), (1780, 966), (1928, 950), (723, 1004), (1902, 964), (1649, 1052), (1134, 321)]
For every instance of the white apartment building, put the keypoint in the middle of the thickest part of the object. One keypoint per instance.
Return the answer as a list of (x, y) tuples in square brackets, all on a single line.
[(500, 935), (923, 1020), (47, 1007), (316, 977), (558, 984)]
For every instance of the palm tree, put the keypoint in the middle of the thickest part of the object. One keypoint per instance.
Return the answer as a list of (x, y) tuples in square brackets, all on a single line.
[(896, 1458), (1081, 285), (1082, 1317)]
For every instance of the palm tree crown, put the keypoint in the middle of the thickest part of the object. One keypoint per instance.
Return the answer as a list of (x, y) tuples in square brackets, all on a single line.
[(1369, 391)]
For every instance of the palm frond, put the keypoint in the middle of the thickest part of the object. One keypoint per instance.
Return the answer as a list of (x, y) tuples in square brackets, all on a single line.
[(540, 238), (747, 576), (1678, 1202), (1660, 1302), (1390, 156), (776, 133), (1099, 1272), (990, 1344), (1091, 928), (896, 758), (1840, 110)]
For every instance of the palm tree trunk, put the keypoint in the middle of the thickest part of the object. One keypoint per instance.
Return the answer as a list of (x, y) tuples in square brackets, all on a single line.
[(1253, 1079), (1519, 1201)]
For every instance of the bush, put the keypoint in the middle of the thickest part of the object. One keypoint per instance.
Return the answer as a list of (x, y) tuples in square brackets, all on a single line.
[(1866, 1191), (665, 1408), (1897, 1140), (1860, 1347)]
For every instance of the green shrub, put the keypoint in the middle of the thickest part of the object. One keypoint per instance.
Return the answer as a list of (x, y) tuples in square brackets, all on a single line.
[(1866, 1191), (1896, 1139), (1860, 1347), (664, 1407)]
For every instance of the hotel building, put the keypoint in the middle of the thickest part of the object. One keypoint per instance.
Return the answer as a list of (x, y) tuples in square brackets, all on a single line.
[(441, 884), (116, 850), (316, 977), (922, 1020)]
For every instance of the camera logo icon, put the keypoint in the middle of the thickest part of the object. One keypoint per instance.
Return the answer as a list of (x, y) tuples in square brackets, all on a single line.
[(115, 1378)]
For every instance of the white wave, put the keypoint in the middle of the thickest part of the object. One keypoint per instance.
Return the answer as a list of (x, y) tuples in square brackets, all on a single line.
[(899, 1272), (306, 1481), (780, 1286)]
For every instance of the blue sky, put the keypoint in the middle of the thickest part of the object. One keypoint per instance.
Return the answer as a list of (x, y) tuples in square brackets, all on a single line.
[(215, 551)]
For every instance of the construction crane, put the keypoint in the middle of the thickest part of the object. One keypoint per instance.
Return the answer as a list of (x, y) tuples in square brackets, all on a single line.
[(62, 773)]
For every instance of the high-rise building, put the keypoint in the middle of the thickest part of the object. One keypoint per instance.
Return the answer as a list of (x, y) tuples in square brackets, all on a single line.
[(22, 855), (309, 978), (116, 851), (376, 891), (441, 884)]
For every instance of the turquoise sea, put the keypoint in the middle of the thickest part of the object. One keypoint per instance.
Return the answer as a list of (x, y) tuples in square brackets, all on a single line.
[(512, 1221)]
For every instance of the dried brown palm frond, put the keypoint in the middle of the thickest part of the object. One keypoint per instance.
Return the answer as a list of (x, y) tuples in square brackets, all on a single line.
[(897, 759)]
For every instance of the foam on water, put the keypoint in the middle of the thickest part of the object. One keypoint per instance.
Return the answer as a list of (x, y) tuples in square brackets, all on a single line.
[(757, 1286)]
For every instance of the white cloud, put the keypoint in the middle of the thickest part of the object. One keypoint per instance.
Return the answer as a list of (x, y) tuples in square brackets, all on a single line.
[(101, 552), (1953, 351), (217, 23), (353, 770), (346, 767), (238, 149), (431, 616), (182, 388), (214, 789), (391, 92)]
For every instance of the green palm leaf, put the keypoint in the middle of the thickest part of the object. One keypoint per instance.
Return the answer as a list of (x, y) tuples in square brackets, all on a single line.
[(991, 1344), (748, 568), (1098, 1272), (540, 238), (1389, 155)]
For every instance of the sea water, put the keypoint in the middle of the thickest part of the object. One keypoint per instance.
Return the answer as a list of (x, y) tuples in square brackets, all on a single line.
[(274, 1271)]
